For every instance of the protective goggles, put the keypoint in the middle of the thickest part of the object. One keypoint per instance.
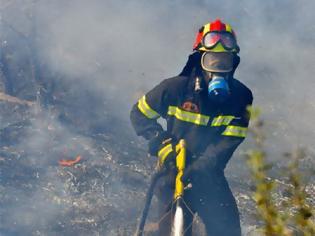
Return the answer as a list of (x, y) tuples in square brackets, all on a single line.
[(211, 39)]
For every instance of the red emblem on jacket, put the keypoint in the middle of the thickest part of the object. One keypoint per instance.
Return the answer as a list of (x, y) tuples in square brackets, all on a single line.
[(191, 107)]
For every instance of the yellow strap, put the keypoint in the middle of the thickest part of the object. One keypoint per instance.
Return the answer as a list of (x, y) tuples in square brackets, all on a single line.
[(187, 116), (163, 153), (236, 131), (146, 109), (222, 120)]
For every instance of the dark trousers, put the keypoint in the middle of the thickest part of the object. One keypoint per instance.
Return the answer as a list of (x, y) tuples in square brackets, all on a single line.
[(210, 197)]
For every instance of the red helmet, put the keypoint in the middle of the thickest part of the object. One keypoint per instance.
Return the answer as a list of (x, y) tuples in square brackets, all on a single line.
[(216, 37)]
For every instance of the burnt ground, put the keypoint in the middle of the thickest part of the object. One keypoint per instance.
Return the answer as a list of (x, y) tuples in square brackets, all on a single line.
[(101, 195), (40, 197)]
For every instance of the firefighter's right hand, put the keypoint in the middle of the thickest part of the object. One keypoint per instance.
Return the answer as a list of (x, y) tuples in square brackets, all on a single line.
[(157, 141), (163, 146)]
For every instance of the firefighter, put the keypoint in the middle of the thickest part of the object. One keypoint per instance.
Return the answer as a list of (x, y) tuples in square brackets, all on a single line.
[(208, 107)]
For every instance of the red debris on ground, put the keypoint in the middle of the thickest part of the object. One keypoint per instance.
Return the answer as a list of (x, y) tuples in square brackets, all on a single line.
[(70, 162)]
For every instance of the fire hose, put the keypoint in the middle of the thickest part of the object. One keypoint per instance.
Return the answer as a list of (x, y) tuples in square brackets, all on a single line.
[(178, 222)]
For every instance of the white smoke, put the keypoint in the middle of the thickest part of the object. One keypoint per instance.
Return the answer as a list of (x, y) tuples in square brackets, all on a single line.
[(121, 49)]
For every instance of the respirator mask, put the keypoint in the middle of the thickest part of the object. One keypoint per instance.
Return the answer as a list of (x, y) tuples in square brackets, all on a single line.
[(218, 88), (217, 67)]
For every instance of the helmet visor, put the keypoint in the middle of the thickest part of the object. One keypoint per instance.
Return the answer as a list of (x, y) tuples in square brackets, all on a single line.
[(217, 61), (211, 39)]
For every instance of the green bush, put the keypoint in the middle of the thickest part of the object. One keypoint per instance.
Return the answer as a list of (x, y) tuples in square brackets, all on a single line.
[(295, 215)]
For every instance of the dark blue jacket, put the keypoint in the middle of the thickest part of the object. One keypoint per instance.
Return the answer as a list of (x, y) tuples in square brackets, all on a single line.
[(211, 130)]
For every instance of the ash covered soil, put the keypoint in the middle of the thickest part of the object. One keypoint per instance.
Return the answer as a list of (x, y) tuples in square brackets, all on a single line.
[(102, 194)]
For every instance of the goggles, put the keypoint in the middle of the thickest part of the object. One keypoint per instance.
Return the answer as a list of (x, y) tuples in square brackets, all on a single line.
[(211, 39)]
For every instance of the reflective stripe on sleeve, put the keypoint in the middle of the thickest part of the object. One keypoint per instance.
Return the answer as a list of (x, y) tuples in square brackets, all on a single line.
[(146, 109), (222, 120), (235, 131), (187, 116), (164, 152)]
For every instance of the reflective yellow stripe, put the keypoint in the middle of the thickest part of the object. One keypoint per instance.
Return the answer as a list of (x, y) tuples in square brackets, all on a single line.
[(187, 116), (228, 28), (235, 131), (222, 120), (164, 152), (146, 109), (206, 29)]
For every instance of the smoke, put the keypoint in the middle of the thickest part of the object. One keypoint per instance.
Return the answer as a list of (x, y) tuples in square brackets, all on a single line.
[(277, 58), (121, 49), (115, 55)]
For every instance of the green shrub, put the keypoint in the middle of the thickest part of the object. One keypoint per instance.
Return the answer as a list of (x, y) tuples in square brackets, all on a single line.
[(295, 216)]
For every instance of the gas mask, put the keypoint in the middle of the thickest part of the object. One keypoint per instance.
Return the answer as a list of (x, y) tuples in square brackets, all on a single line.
[(217, 67)]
